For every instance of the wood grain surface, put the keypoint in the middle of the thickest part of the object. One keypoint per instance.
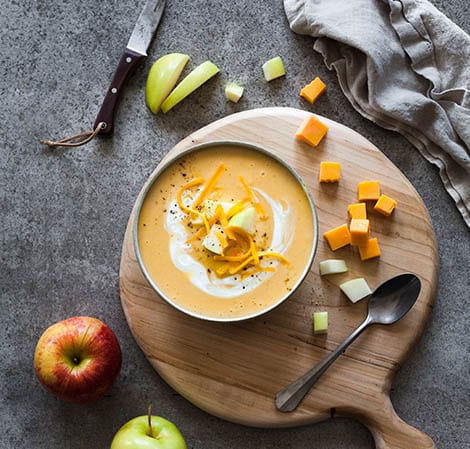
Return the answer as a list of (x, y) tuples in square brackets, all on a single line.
[(233, 371)]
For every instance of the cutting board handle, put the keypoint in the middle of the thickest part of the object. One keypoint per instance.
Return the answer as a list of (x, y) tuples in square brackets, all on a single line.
[(391, 432)]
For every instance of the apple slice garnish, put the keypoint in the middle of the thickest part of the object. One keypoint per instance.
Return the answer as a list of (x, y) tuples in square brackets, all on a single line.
[(162, 77), (190, 83)]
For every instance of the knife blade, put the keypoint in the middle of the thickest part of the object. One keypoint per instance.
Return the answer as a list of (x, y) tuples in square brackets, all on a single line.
[(135, 52), (146, 26)]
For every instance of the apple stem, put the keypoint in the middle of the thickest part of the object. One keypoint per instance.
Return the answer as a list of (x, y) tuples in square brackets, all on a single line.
[(149, 415)]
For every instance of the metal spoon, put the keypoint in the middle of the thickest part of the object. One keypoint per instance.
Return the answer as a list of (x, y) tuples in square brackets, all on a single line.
[(387, 304)]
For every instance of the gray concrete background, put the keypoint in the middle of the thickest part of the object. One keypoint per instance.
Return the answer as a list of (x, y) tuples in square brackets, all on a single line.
[(64, 212)]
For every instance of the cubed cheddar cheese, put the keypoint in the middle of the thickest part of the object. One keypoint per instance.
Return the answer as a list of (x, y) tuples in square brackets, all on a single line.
[(385, 205), (359, 230), (330, 171), (313, 90), (368, 191), (357, 210), (312, 131), (338, 237), (370, 250)]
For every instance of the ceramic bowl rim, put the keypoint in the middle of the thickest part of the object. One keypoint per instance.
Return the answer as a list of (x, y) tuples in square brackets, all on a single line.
[(202, 146)]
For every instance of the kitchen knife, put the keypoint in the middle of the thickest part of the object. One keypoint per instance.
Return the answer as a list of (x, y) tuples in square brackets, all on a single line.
[(134, 53)]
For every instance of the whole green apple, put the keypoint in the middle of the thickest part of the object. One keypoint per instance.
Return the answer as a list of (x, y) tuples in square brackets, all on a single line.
[(148, 432), (78, 359)]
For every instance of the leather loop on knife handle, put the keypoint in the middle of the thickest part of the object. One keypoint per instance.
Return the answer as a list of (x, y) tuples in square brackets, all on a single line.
[(127, 64), (75, 141)]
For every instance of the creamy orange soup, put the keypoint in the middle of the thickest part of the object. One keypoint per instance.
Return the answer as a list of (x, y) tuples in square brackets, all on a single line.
[(226, 232)]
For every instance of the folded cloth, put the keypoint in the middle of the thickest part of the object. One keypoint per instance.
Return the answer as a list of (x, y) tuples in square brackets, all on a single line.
[(405, 66)]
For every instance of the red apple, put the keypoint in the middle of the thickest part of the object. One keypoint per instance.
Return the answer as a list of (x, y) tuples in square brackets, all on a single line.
[(78, 359)]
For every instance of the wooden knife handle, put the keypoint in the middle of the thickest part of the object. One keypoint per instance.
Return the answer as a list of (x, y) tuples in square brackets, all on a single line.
[(127, 64), (391, 432)]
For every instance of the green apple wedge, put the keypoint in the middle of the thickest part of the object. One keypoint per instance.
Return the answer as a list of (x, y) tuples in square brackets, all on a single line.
[(244, 220), (193, 80), (162, 77), (150, 432)]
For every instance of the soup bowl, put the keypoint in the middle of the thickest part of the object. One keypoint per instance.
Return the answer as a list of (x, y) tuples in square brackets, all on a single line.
[(225, 231)]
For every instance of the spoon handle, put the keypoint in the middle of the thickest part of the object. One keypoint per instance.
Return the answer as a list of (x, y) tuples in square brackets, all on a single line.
[(290, 397)]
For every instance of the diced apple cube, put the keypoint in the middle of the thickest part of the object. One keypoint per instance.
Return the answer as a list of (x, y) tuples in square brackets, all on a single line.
[(233, 92), (274, 68), (320, 322), (211, 242)]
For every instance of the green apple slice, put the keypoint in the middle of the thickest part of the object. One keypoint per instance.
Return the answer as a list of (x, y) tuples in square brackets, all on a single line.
[(332, 266), (274, 68), (356, 289), (188, 85), (233, 92), (162, 77), (211, 242), (245, 220)]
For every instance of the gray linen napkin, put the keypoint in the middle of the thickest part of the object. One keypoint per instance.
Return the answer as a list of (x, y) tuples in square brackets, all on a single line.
[(405, 66)]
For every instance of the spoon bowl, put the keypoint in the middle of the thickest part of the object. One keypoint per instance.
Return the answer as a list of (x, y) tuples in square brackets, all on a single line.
[(390, 302), (393, 299)]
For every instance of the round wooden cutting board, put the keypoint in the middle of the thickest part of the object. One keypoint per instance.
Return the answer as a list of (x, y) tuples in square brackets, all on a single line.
[(234, 371)]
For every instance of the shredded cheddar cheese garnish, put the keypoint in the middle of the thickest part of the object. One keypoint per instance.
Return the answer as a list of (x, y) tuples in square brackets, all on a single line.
[(238, 258), (256, 270), (279, 256), (198, 234), (238, 251), (254, 252), (258, 206), (220, 217), (240, 266), (222, 240), (179, 198), (220, 271), (211, 183), (236, 208)]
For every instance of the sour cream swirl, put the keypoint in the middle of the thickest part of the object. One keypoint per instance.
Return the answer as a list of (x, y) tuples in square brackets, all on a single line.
[(229, 286)]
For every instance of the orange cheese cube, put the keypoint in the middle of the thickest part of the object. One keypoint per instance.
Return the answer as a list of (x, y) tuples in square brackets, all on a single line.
[(357, 210), (370, 250), (368, 190), (313, 90), (330, 171), (385, 205), (359, 229), (338, 237), (312, 131)]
